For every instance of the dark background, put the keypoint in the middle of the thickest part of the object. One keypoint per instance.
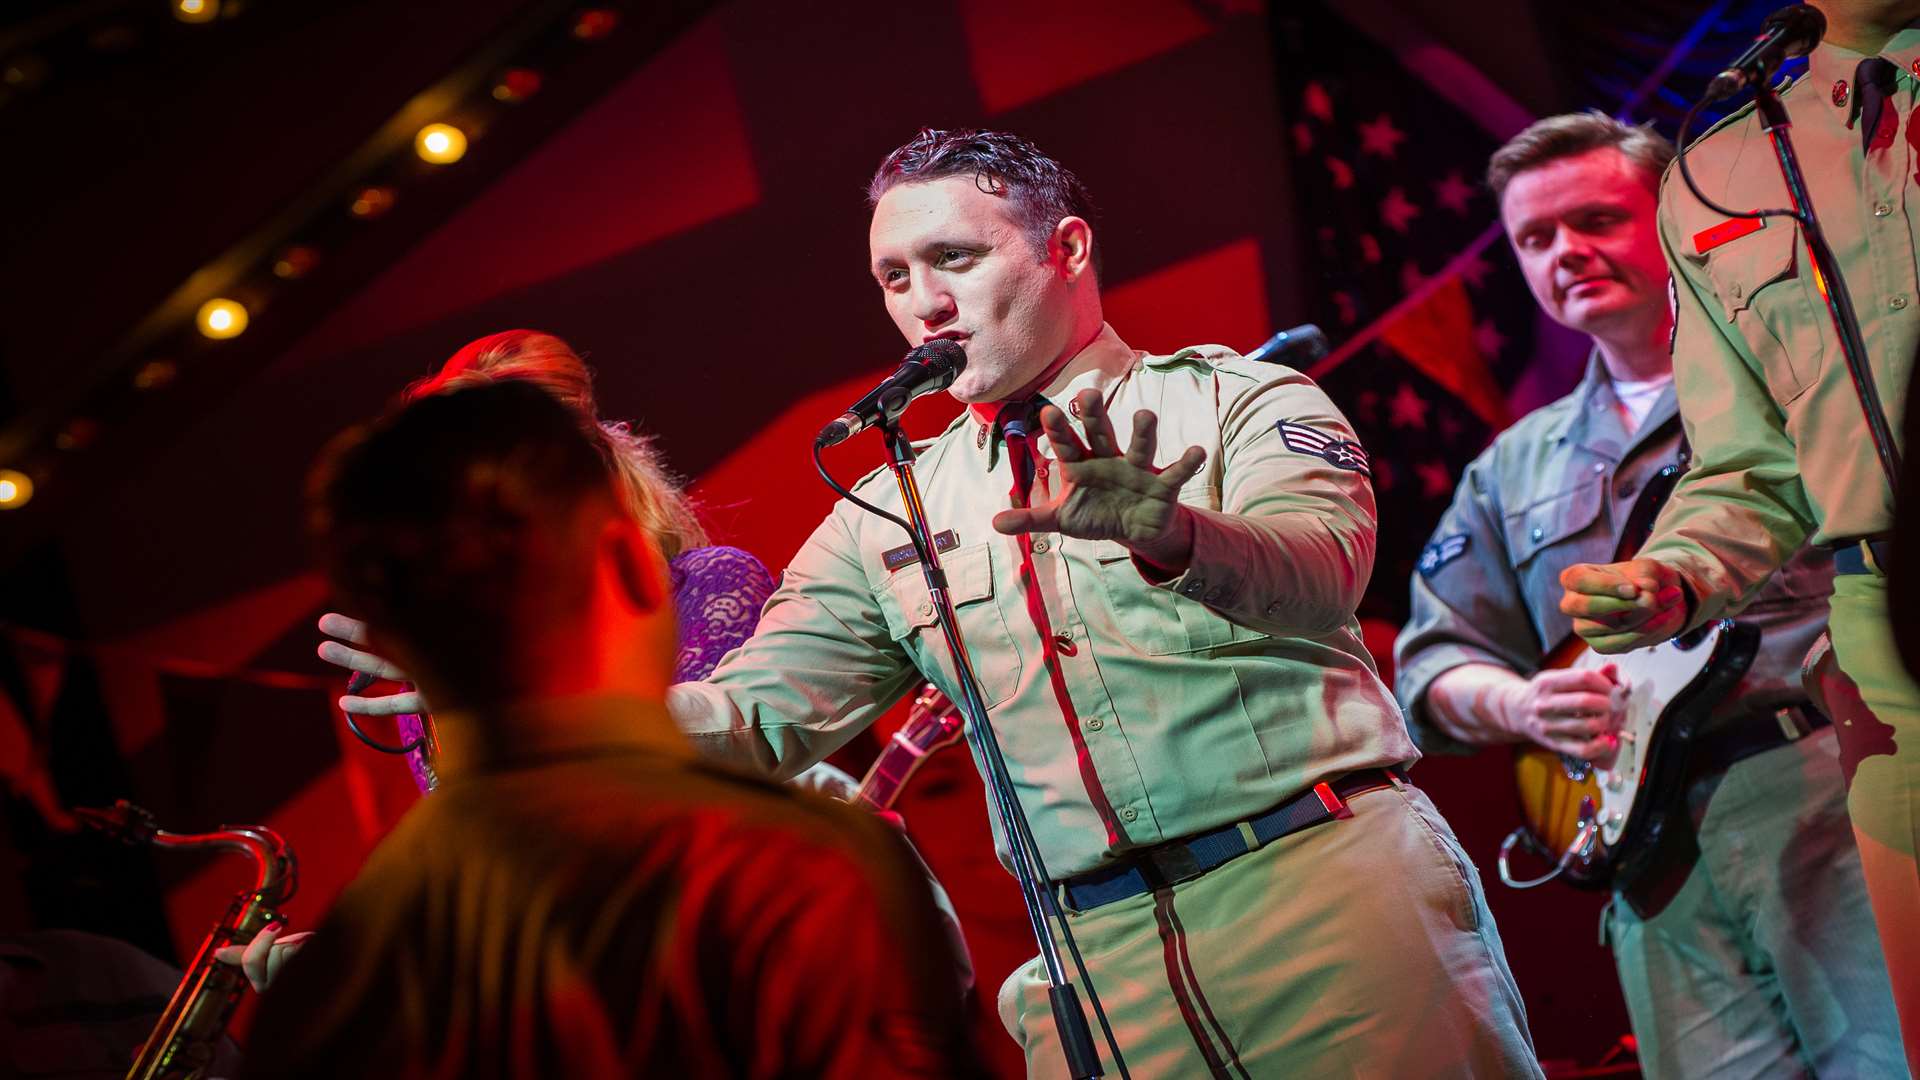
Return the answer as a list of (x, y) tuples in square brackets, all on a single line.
[(682, 200)]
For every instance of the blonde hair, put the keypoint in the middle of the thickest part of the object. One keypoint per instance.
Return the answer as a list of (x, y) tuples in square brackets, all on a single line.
[(651, 493), (1570, 134)]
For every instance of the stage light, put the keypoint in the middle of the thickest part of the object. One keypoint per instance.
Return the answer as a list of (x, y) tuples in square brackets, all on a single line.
[(441, 144), (222, 318), (295, 262), (16, 488), (196, 11), (594, 24), (78, 434), (371, 202), (154, 374), (516, 86)]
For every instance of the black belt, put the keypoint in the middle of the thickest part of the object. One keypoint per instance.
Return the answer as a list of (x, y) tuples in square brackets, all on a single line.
[(1862, 555), (1720, 750), (1181, 860)]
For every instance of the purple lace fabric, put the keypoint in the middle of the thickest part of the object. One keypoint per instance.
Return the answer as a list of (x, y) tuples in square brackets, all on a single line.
[(718, 593)]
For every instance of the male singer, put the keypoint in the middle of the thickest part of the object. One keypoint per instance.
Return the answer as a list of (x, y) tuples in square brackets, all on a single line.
[(1166, 643)]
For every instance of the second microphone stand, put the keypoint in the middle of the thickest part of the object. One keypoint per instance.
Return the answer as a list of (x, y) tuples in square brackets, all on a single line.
[(1036, 888)]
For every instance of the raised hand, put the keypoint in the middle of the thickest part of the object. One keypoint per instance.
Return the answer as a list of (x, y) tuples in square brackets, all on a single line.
[(1095, 492), (335, 625), (1624, 605)]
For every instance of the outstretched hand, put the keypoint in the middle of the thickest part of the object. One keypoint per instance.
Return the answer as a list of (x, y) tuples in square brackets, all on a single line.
[(1095, 492), (410, 701)]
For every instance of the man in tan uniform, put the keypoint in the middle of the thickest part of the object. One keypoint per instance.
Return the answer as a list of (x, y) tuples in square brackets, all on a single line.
[(1167, 648), (1747, 948), (1782, 455)]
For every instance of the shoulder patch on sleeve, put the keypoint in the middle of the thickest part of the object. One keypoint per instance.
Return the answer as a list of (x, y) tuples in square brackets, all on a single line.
[(1441, 552), (1340, 453)]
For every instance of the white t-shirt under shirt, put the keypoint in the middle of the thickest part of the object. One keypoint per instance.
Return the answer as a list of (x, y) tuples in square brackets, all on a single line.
[(1637, 398)]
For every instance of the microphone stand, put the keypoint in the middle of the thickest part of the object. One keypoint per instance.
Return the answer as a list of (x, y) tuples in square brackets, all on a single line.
[(1029, 868), (1832, 283)]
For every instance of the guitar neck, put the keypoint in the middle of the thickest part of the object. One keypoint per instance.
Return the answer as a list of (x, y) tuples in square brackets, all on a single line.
[(932, 724)]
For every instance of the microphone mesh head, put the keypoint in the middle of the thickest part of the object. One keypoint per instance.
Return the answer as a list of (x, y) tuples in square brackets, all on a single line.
[(940, 352)]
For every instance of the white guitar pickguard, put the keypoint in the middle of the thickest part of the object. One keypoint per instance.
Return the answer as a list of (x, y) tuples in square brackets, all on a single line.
[(1653, 677)]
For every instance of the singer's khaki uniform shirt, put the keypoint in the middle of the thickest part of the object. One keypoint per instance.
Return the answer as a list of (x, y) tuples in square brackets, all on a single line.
[(1200, 702)]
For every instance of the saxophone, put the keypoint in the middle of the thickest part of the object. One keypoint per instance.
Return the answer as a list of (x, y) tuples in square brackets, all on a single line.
[(183, 1043)]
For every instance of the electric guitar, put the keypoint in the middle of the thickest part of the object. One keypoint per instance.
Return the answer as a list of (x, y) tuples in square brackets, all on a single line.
[(1602, 820), (933, 724)]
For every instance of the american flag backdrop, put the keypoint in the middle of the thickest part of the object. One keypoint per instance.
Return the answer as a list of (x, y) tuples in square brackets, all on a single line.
[(1405, 270)]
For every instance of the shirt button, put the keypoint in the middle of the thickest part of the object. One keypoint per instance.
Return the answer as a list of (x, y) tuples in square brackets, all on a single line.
[(1040, 546), (1128, 813), (1898, 303), (1537, 533), (1737, 288), (1882, 210), (1598, 468), (1627, 489), (925, 609), (1096, 724)]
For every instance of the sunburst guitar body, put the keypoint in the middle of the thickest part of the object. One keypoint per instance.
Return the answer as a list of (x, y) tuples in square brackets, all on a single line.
[(1598, 822)]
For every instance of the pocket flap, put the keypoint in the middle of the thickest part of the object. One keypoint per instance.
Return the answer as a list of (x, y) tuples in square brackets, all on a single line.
[(1743, 267), (1552, 520), (908, 604)]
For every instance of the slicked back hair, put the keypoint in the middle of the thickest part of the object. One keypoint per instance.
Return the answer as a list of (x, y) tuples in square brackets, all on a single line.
[(1572, 134), (1040, 190)]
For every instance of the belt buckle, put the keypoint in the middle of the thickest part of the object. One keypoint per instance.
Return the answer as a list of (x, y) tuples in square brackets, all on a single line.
[(1335, 805)]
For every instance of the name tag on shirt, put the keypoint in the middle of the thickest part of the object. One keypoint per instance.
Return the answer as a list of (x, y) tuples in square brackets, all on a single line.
[(904, 555), (1732, 229)]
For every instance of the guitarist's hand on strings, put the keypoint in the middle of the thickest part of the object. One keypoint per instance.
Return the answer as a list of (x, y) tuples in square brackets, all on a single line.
[(1576, 711), (1624, 605), (367, 669)]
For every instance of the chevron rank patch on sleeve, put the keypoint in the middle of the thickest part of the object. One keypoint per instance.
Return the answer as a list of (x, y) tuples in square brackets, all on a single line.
[(1441, 552), (1341, 453)]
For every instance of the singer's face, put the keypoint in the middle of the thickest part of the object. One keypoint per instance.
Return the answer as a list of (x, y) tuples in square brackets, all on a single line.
[(1586, 232), (952, 261)]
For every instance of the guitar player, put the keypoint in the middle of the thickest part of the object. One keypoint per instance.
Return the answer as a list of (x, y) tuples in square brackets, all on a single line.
[(1747, 948)]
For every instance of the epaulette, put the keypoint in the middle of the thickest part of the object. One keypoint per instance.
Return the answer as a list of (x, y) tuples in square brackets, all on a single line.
[(1211, 355), (1743, 112), (919, 446)]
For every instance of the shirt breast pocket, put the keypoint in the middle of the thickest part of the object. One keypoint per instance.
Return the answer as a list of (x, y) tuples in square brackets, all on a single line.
[(1551, 522), (1770, 304), (1157, 621), (908, 606)]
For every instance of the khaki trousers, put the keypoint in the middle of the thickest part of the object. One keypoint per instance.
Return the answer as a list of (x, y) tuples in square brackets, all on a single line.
[(1360, 947), (1880, 748)]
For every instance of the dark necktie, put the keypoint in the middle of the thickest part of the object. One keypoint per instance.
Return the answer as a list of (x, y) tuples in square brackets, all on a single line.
[(1019, 422), (1874, 81)]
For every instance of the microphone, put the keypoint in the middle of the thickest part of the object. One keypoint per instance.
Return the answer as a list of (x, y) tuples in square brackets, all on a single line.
[(1790, 32), (1298, 347), (930, 367)]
